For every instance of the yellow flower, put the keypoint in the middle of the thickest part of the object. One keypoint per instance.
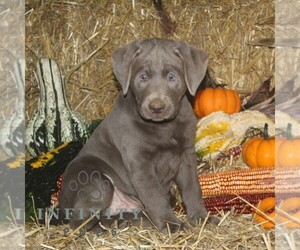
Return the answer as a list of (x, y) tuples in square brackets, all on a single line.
[(19, 162), (45, 158)]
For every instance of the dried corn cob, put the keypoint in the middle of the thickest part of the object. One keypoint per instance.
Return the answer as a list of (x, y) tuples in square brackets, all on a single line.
[(241, 204), (228, 202), (253, 132), (234, 152), (238, 182), (250, 181), (221, 190), (54, 196)]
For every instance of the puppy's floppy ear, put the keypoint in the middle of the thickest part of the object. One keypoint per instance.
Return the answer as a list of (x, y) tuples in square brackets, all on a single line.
[(122, 59), (194, 63)]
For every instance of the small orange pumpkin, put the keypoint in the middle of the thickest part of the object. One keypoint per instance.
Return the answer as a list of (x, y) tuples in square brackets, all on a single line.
[(265, 213), (289, 213), (260, 152), (216, 99), (287, 151)]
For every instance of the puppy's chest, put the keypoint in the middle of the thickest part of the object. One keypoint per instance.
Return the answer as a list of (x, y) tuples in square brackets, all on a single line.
[(175, 138), (167, 158), (171, 144)]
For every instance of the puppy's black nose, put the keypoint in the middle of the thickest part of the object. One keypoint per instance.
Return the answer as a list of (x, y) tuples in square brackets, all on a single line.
[(157, 106)]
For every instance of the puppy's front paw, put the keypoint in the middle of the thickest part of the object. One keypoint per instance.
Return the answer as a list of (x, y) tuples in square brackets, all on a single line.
[(168, 225), (196, 219), (174, 228), (213, 220)]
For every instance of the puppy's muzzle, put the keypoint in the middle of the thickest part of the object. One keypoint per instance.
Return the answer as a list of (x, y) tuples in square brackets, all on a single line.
[(156, 106)]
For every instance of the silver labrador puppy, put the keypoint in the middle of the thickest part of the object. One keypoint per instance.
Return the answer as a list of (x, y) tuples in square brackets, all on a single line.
[(145, 144)]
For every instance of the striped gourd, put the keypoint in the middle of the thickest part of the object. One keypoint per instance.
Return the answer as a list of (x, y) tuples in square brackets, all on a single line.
[(53, 122), (12, 132)]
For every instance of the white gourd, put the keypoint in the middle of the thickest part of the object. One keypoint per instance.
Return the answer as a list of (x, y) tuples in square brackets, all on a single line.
[(220, 131)]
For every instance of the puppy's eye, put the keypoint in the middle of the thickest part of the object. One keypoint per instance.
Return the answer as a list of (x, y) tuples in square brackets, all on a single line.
[(143, 77), (171, 77)]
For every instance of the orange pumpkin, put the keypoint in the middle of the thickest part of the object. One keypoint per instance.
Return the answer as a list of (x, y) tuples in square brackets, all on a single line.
[(289, 213), (265, 213), (287, 151), (216, 99), (260, 152)]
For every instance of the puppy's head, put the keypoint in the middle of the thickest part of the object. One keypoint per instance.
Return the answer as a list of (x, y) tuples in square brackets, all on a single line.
[(158, 72)]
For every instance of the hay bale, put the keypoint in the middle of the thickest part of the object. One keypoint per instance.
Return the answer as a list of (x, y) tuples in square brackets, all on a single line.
[(71, 31)]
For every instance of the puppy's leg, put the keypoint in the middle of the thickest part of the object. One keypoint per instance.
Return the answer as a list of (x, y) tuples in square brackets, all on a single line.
[(85, 190), (155, 200), (91, 198), (188, 184)]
